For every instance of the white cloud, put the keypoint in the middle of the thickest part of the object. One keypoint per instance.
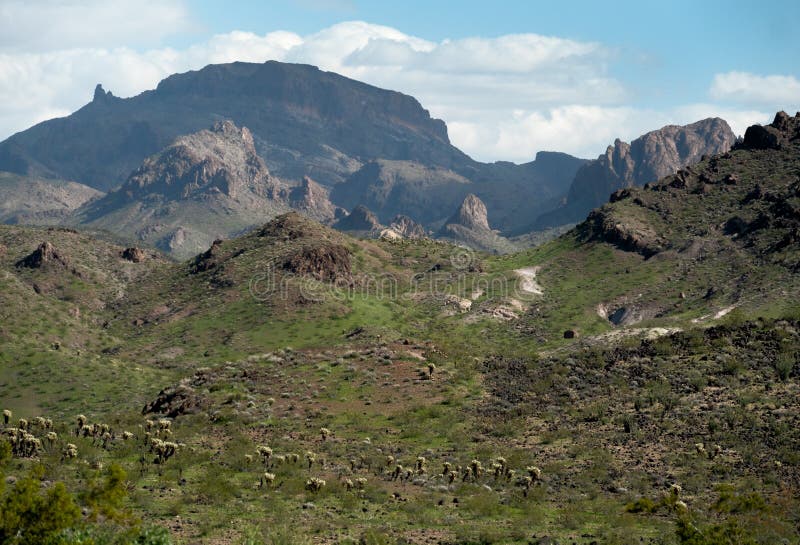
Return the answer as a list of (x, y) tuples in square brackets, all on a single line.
[(503, 98), (41, 25), (746, 88)]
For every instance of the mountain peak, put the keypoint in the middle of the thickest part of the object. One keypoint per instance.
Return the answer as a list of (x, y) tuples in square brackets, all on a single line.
[(471, 214), (101, 94)]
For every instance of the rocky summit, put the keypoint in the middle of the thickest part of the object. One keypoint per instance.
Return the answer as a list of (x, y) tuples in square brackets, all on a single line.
[(204, 186), (646, 159)]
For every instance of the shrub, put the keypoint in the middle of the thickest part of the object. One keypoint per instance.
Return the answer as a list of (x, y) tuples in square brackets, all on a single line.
[(784, 364), (32, 516)]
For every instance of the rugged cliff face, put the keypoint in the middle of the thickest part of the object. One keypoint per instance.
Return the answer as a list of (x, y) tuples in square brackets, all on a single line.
[(206, 185), (329, 122), (646, 159)]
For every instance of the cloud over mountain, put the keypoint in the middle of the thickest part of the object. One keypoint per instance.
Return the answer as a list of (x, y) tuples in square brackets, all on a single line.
[(505, 97)]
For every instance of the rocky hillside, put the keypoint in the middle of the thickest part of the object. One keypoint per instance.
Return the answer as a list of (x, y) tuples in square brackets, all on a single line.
[(30, 200), (204, 186), (646, 159)]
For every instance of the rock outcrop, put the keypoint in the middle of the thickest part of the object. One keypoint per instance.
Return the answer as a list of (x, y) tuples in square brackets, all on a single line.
[(406, 227), (471, 214), (359, 220), (326, 263), (312, 200), (46, 254), (783, 129), (469, 226), (133, 254), (650, 157)]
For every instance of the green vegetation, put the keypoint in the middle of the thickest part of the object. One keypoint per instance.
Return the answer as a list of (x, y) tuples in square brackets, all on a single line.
[(636, 400)]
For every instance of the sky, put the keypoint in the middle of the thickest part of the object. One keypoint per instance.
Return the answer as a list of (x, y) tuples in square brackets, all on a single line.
[(509, 78)]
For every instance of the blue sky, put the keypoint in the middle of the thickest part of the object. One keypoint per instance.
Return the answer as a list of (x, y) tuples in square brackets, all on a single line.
[(509, 78)]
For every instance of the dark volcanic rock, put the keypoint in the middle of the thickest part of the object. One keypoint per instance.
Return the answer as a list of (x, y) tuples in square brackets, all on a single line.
[(135, 255), (630, 236), (773, 136), (45, 254), (175, 401), (326, 263)]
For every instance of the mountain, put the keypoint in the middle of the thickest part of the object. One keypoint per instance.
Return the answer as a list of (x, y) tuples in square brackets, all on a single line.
[(206, 185), (329, 122), (40, 201), (469, 226), (428, 194), (646, 159), (394, 158)]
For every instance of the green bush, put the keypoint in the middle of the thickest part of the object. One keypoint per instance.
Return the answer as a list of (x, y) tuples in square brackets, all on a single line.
[(32, 516)]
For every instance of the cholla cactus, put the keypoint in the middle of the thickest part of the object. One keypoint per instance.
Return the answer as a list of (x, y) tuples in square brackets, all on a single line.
[(681, 507), (534, 472), (389, 460), (700, 448), (280, 459), (431, 369), (148, 425), (248, 458), (7, 416), (265, 452), (715, 451), (294, 457), (126, 435), (348, 485), (70, 452), (23, 424), (51, 437), (476, 467), (39, 422), (311, 458), (315, 484), (446, 468), (398, 470), (164, 424), (420, 465), (675, 490), (324, 433), (267, 479), (361, 483), (81, 423)]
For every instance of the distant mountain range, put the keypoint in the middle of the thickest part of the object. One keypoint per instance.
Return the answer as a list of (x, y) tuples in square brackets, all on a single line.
[(210, 153)]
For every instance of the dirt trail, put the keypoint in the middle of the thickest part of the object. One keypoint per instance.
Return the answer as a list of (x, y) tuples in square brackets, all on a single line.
[(528, 283)]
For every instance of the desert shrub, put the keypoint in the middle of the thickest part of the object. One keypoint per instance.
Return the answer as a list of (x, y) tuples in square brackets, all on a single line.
[(105, 498), (30, 515), (784, 364), (642, 505), (727, 533)]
